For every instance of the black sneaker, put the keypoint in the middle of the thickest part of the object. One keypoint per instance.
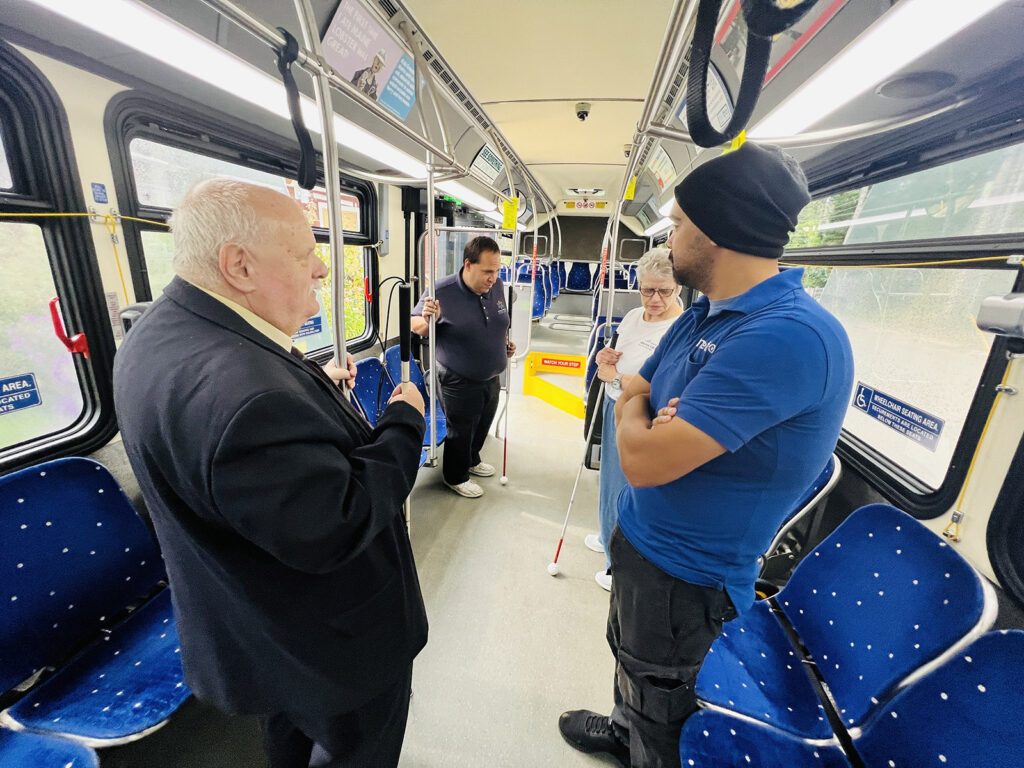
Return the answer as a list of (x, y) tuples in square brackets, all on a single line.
[(590, 732)]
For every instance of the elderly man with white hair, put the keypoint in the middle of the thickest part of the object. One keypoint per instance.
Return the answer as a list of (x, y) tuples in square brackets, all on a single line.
[(277, 507), (638, 336)]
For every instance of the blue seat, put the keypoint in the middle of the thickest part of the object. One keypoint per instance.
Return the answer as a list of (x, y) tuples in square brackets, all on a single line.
[(594, 343), (556, 278), (505, 273), (33, 750), (621, 279), (118, 689), (963, 714), (561, 275), (373, 388), (579, 279), (714, 739), (812, 500), (881, 599), (544, 285), (393, 366), (77, 561), (632, 279)]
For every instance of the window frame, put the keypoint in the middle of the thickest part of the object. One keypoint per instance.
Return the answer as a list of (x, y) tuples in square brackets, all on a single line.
[(882, 473), (45, 179), (216, 135)]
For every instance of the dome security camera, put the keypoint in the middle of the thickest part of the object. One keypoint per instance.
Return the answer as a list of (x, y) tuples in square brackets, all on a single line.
[(626, 149), (582, 110)]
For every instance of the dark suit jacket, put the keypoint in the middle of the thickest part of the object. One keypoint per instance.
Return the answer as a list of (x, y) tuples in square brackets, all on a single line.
[(278, 510)]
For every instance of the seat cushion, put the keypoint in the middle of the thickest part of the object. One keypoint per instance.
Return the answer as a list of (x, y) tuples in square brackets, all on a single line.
[(33, 750), (753, 669), (127, 683), (711, 739)]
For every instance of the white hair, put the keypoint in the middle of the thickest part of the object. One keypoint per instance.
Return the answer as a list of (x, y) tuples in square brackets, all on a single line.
[(657, 262), (213, 213)]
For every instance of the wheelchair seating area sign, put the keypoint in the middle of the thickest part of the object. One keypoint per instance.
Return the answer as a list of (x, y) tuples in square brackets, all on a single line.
[(19, 392), (919, 426)]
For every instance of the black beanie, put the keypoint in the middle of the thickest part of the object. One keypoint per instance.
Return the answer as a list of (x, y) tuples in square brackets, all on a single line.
[(747, 200)]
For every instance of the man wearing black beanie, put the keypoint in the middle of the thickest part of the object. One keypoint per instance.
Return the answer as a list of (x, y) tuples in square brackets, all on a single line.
[(726, 425)]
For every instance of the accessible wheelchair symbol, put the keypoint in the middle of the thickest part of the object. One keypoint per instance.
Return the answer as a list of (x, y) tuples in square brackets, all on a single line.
[(863, 398)]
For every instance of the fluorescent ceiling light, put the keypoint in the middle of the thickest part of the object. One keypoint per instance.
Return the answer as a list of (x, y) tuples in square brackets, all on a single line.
[(903, 34), (657, 227), (666, 209), (153, 34)]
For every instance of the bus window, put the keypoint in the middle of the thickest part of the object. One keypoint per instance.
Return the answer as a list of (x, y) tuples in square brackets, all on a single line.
[(915, 344), (918, 352), (163, 173), (51, 399), (39, 390), (976, 196), (6, 180), (318, 331)]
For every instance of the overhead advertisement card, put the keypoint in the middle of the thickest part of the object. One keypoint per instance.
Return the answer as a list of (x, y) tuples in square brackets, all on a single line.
[(660, 164), (364, 51)]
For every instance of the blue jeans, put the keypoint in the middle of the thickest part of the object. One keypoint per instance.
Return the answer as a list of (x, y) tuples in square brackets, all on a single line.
[(612, 481)]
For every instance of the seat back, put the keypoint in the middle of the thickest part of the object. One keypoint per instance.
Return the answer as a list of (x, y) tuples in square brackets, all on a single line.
[(373, 388), (594, 344), (578, 278), (965, 714), (34, 750), (73, 555), (880, 598), (624, 301), (819, 490), (393, 367)]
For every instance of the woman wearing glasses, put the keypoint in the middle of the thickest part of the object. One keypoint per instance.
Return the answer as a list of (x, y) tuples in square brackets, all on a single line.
[(639, 333)]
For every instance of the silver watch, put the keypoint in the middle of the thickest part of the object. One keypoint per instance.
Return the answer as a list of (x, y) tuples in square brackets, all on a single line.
[(616, 383)]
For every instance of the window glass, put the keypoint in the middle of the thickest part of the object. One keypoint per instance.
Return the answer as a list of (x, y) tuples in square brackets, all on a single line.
[(917, 352), (6, 180), (163, 175), (317, 332), (39, 389), (158, 248), (981, 195)]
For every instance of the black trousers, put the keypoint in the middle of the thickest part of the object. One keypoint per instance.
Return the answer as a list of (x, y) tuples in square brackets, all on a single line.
[(469, 407), (368, 737), (660, 629)]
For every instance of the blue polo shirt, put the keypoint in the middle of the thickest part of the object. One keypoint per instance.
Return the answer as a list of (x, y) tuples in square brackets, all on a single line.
[(472, 329), (768, 375)]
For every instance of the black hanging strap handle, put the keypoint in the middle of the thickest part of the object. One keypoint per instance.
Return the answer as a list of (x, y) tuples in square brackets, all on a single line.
[(286, 56), (764, 19)]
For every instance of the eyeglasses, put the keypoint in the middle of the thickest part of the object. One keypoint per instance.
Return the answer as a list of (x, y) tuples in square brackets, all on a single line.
[(663, 292)]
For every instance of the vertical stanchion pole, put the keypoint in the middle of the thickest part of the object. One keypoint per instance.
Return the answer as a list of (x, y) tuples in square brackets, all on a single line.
[(404, 308), (431, 252), (332, 179), (611, 271), (508, 389)]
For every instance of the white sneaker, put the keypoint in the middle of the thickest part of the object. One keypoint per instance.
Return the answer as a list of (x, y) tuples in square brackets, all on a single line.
[(469, 489), (593, 541), (482, 470), (604, 579)]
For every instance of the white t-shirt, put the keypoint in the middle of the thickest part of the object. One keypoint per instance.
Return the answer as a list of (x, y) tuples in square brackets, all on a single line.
[(637, 340)]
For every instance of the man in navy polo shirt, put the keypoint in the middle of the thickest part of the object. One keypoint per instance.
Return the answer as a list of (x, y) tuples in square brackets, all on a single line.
[(726, 425), (472, 352)]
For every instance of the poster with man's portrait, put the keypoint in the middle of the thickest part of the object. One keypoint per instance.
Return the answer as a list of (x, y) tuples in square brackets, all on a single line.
[(365, 53)]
